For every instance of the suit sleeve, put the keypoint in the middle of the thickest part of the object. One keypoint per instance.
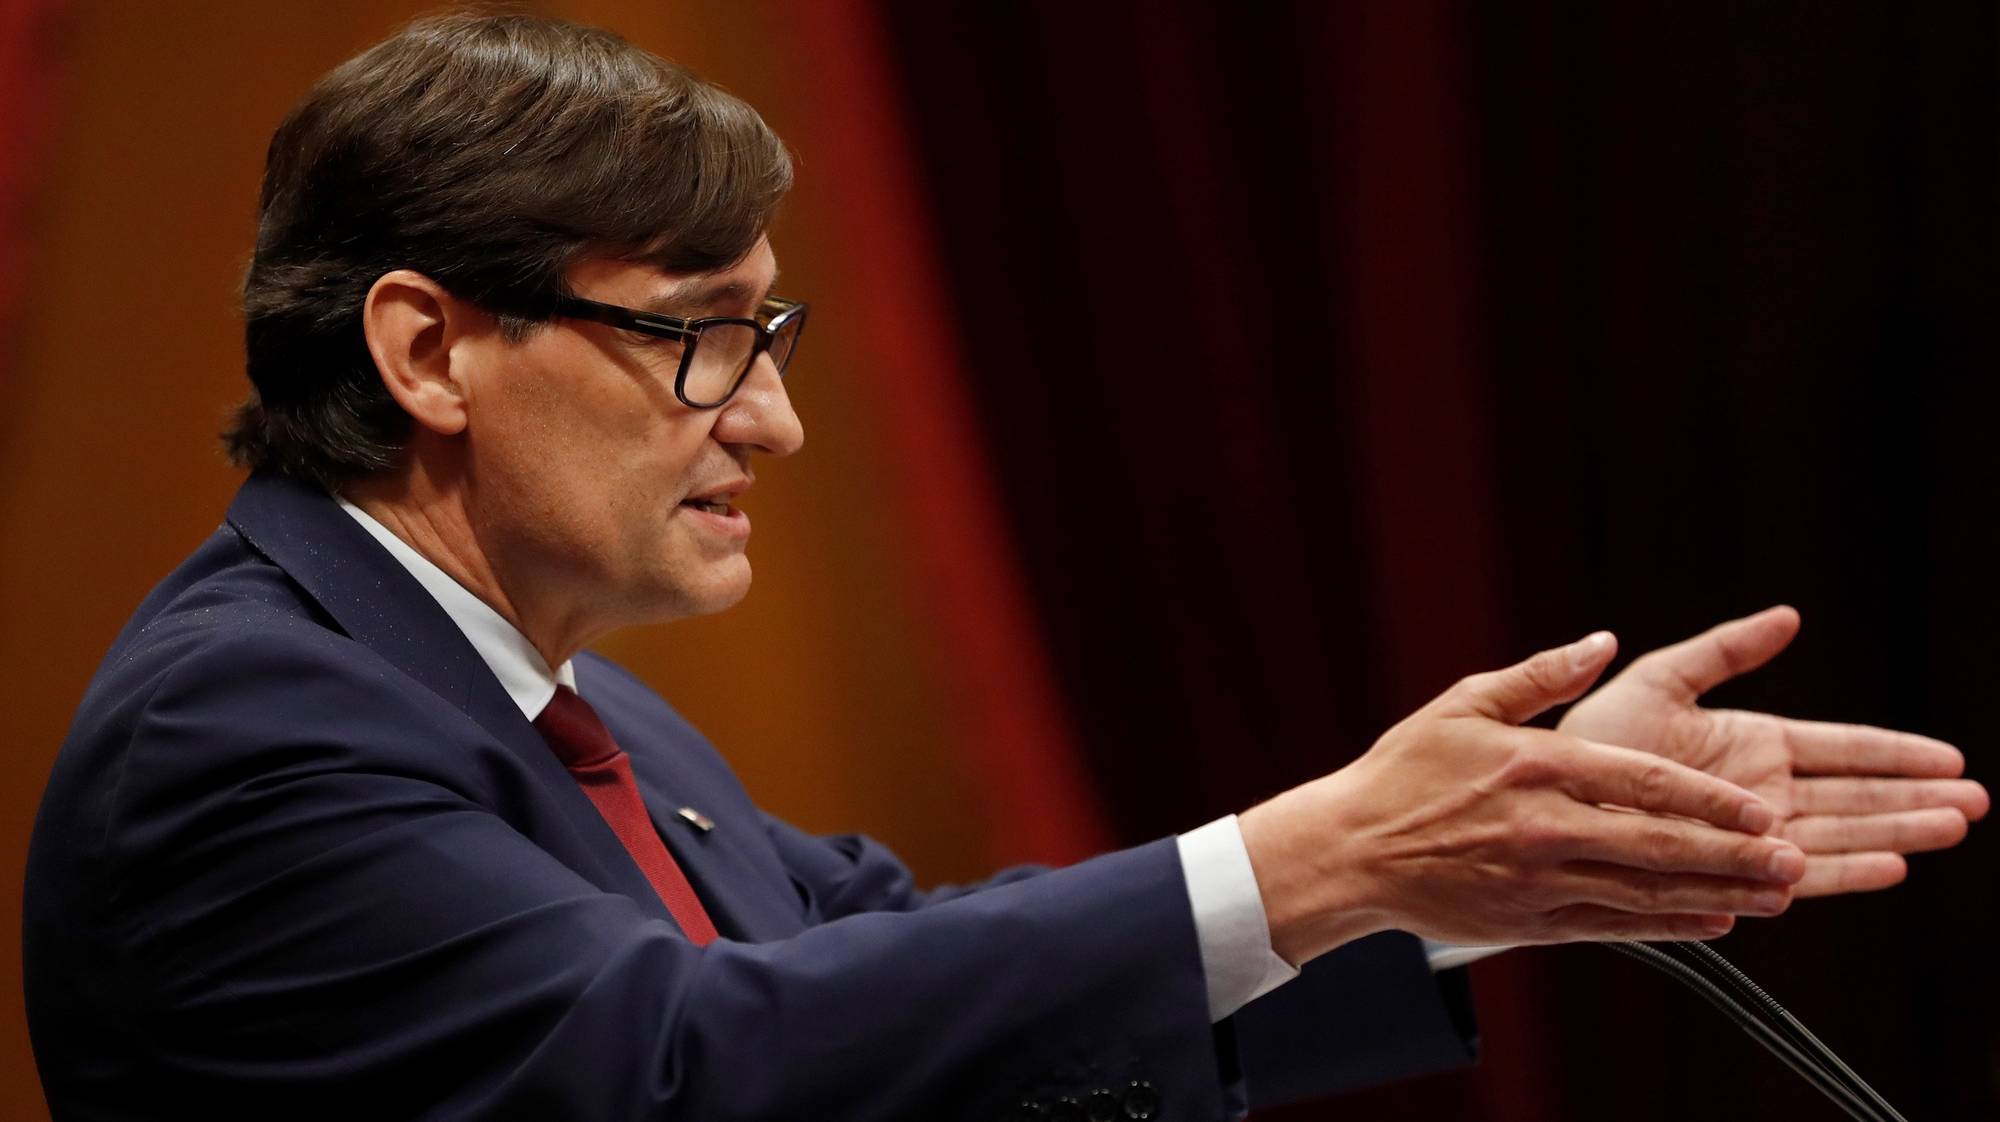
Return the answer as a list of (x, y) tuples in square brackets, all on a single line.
[(850, 874), (319, 920), (1370, 1012)]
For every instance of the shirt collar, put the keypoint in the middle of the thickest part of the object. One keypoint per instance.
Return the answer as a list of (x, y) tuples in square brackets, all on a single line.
[(515, 661)]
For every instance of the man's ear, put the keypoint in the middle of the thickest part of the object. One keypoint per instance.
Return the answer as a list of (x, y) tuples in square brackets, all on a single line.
[(409, 321)]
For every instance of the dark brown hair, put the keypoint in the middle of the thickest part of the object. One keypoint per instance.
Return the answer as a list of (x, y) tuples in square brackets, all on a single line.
[(490, 153)]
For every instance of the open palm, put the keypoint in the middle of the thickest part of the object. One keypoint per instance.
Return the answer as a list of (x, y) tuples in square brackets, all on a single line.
[(1855, 798)]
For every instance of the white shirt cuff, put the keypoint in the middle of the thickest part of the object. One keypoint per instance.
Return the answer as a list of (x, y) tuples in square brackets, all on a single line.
[(1237, 961), (1445, 956), (1236, 956)]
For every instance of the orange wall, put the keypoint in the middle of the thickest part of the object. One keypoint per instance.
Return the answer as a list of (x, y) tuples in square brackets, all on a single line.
[(117, 367)]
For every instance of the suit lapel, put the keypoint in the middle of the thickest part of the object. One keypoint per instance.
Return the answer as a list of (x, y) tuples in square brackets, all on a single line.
[(377, 603), (745, 901)]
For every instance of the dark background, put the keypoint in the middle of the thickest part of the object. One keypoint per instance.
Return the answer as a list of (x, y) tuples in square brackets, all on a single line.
[(1329, 352)]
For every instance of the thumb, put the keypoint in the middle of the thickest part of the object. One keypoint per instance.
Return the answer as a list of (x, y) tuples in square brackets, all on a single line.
[(1694, 666), (1525, 689)]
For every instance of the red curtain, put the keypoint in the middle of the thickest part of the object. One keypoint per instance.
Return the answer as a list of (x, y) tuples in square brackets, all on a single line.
[(1010, 721), (26, 28)]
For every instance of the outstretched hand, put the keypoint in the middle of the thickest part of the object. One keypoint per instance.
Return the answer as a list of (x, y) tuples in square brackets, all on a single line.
[(1462, 826), (1854, 798)]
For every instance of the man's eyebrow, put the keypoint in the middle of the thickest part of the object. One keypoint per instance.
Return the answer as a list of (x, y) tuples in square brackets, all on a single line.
[(700, 296)]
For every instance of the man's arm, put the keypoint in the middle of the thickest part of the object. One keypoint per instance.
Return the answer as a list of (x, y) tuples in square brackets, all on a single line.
[(1368, 1013), (310, 894), (1522, 852), (310, 908)]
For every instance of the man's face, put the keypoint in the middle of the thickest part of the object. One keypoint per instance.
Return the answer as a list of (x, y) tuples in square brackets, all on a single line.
[(584, 469)]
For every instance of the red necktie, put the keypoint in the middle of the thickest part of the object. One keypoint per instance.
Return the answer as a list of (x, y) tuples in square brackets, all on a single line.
[(604, 771)]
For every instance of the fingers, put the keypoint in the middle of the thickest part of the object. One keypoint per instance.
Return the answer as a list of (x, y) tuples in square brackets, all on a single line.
[(1670, 845), (1850, 872), (1528, 688), (1633, 890), (1604, 773), (1909, 831), (1596, 923), (1694, 666), (1881, 796), (1826, 748)]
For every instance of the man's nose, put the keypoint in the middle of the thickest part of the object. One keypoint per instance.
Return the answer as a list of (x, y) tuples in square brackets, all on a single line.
[(761, 415)]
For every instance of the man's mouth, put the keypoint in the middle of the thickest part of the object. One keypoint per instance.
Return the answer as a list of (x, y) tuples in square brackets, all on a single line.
[(714, 497)]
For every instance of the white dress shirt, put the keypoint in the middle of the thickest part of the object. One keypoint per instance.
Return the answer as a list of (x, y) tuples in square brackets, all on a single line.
[(522, 671), (1236, 956)]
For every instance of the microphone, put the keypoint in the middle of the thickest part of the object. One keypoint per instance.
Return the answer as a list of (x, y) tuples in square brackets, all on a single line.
[(1701, 968)]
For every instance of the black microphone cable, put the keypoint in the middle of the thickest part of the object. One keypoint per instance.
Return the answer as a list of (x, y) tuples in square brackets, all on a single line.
[(1732, 975), (1702, 969)]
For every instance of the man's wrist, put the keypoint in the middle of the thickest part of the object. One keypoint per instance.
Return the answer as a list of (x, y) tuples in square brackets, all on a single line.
[(1238, 964), (1313, 896)]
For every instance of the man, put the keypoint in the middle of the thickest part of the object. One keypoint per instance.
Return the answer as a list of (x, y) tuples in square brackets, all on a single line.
[(349, 822)]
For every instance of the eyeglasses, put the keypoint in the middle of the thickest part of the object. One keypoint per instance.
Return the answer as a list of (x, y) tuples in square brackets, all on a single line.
[(718, 351)]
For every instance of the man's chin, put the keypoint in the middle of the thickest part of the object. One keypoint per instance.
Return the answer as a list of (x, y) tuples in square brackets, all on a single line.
[(721, 603), (717, 592)]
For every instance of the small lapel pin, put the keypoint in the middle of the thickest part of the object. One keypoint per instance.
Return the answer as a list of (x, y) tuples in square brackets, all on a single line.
[(696, 818)]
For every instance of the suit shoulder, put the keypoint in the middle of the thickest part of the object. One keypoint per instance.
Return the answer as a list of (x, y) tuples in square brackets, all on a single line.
[(225, 688), (242, 625), (239, 662), (224, 592)]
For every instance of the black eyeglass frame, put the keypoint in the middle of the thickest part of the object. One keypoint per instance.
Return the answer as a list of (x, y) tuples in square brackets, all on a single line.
[(781, 314)]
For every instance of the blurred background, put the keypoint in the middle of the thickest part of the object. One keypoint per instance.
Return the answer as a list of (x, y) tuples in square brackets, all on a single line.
[(1191, 393)]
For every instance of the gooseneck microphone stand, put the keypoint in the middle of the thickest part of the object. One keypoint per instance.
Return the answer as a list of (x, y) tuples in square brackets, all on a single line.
[(1721, 984)]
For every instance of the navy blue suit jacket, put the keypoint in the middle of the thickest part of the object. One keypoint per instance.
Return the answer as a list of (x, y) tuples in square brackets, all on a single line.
[(301, 856)]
